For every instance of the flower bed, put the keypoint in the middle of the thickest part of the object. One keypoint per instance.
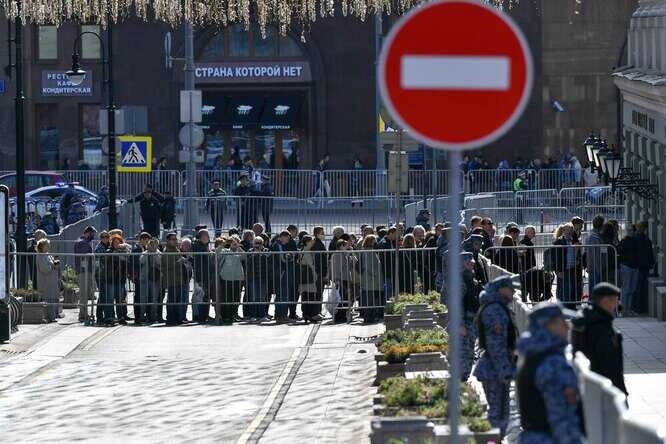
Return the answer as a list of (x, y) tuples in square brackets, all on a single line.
[(397, 345), (402, 300), (429, 398)]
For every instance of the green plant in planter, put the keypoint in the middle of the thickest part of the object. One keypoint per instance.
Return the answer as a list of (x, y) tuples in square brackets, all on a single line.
[(29, 295), (397, 345), (402, 300), (429, 398), (479, 425)]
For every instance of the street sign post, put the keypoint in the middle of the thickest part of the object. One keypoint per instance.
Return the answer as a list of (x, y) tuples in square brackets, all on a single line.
[(456, 74), (5, 312), (136, 154)]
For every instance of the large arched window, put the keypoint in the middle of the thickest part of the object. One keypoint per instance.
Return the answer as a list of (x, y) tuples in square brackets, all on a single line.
[(235, 42)]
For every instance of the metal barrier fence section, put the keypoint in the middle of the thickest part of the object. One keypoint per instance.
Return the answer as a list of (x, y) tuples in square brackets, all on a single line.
[(276, 214), (568, 272), (237, 284), (337, 183), (606, 413)]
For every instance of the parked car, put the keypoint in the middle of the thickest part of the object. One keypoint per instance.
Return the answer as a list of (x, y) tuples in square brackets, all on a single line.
[(47, 198), (33, 180)]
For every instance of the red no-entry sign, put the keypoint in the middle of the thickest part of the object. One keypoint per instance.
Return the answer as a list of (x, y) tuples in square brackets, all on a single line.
[(456, 74)]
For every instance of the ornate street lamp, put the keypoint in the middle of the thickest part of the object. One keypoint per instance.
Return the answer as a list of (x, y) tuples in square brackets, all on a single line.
[(76, 76), (612, 164), (589, 145), (596, 147)]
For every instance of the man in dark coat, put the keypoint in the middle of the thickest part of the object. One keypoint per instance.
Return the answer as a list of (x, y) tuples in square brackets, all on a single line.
[(267, 193), (529, 260), (594, 335), (150, 207)]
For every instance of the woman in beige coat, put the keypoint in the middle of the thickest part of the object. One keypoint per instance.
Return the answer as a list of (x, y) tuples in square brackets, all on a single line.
[(48, 276)]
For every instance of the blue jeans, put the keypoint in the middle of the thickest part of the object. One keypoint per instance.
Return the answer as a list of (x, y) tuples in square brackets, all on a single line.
[(630, 286), (113, 292)]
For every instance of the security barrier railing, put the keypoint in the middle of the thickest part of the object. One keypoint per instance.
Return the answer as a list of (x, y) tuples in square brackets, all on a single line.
[(568, 272), (333, 183), (275, 213), (605, 410), (256, 284)]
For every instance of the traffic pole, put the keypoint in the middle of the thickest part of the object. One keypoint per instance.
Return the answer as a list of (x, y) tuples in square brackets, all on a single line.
[(454, 291), (19, 100), (190, 190)]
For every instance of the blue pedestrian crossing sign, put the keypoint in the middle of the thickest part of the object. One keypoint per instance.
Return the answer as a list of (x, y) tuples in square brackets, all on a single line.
[(136, 154)]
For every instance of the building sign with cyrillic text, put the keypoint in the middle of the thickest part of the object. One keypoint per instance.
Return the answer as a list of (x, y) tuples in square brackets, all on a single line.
[(251, 72), (56, 83)]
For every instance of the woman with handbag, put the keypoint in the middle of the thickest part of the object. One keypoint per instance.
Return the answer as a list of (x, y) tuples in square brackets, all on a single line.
[(231, 276), (307, 288)]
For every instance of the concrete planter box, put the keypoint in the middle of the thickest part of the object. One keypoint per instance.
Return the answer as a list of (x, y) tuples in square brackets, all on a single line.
[(424, 362), (70, 298), (393, 322), (386, 370), (407, 430), (442, 319), (34, 313), (443, 435)]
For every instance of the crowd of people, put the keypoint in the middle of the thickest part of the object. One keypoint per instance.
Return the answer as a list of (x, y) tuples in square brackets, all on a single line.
[(252, 267)]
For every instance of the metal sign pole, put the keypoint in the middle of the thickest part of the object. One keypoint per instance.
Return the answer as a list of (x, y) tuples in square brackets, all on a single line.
[(190, 207), (454, 291)]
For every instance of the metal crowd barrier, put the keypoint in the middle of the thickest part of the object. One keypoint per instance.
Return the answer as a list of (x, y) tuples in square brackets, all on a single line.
[(606, 414), (568, 272), (234, 283), (276, 213), (331, 183)]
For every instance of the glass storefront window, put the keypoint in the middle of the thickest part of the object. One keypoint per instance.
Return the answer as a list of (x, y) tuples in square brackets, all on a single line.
[(264, 149), (263, 47), (240, 145), (48, 136), (90, 45), (214, 150), (239, 44), (291, 142), (47, 42), (92, 156)]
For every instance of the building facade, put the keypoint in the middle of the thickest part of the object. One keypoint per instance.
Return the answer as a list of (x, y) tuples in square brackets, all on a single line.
[(285, 101), (643, 87)]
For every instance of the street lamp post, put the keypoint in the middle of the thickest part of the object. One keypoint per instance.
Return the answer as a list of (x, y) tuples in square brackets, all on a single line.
[(589, 146), (76, 76)]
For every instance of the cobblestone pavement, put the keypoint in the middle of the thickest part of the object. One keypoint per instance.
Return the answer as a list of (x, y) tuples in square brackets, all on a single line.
[(644, 342), (193, 384)]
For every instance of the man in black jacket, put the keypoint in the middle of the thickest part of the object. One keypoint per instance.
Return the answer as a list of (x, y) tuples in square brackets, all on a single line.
[(645, 262), (150, 205), (594, 335)]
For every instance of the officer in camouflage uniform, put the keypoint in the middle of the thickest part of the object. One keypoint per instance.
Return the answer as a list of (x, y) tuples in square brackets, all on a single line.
[(473, 244), (497, 338), (470, 291), (546, 384)]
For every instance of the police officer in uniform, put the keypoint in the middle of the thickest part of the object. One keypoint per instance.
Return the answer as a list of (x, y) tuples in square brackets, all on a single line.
[(497, 338), (470, 290), (546, 384), (473, 244), (215, 206)]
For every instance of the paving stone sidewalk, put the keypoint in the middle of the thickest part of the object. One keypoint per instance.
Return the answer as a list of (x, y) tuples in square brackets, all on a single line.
[(644, 341)]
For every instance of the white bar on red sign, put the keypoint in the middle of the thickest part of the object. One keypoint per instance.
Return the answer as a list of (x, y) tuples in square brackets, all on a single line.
[(455, 72)]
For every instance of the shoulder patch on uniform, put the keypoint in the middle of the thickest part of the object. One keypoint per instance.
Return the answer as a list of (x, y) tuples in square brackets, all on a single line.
[(571, 395), (498, 328)]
